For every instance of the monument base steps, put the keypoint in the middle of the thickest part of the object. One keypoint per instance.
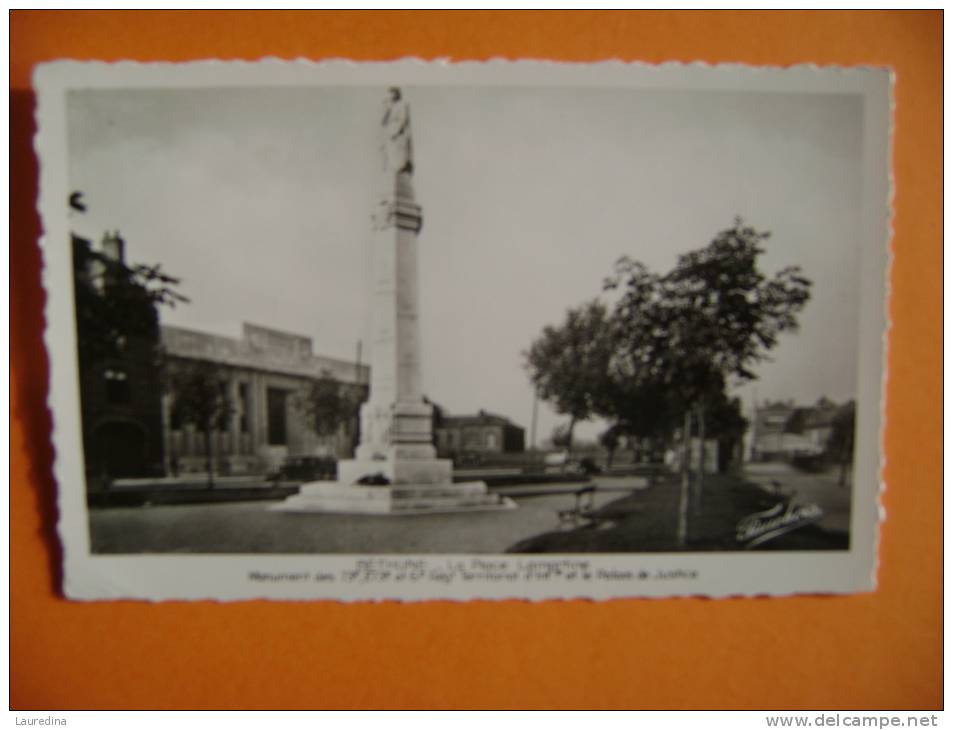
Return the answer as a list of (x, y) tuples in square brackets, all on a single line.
[(393, 499), (397, 471)]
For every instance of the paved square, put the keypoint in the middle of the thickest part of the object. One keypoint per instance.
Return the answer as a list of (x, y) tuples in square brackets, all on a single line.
[(249, 527)]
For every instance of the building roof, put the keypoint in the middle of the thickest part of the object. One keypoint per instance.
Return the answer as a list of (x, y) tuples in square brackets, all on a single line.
[(796, 419), (261, 348), (821, 416), (483, 418)]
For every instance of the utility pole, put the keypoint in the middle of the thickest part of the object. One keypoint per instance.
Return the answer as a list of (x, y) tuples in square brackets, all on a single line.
[(532, 431), (753, 433), (354, 426)]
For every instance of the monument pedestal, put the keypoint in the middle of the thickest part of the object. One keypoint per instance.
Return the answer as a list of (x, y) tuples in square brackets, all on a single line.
[(397, 471), (394, 499), (416, 486)]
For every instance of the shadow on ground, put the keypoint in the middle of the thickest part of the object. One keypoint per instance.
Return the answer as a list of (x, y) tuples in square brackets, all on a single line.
[(646, 522)]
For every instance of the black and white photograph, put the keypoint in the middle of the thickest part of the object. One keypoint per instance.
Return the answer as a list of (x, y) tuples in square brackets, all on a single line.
[(417, 330)]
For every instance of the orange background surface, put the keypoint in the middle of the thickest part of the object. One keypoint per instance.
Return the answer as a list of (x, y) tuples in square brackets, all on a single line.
[(875, 651)]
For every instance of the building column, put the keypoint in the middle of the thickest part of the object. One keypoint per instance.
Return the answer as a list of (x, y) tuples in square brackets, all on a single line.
[(234, 423), (257, 422), (166, 405)]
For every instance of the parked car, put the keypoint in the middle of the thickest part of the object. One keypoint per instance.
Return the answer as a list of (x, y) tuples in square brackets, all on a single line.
[(305, 469), (468, 460), (587, 465)]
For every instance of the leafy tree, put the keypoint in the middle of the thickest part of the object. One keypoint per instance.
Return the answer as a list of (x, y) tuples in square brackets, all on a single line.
[(200, 398), (115, 302), (726, 423), (797, 421), (840, 443), (651, 361), (437, 416), (714, 316), (733, 312), (561, 437), (327, 404), (610, 440), (637, 409), (567, 364), (117, 326)]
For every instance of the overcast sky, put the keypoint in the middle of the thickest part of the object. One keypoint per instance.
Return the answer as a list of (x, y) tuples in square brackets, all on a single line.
[(260, 199)]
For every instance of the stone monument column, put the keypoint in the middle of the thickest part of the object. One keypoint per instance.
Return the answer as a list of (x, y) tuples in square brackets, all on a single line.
[(396, 431), (396, 450)]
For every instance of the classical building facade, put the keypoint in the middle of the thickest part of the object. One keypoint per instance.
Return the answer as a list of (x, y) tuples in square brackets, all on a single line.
[(130, 367), (483, 433), (266, 376)]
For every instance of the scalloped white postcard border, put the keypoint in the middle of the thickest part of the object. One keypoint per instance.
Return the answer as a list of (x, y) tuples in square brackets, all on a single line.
[(89, 576)]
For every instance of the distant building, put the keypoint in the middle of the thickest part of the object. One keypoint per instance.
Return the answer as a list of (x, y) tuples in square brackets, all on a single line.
[(265, 374), (771, 439), (781, 430), (818, 424), (483, 433)]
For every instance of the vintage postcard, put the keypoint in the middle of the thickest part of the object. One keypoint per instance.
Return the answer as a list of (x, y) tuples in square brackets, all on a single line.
[(409, 331)]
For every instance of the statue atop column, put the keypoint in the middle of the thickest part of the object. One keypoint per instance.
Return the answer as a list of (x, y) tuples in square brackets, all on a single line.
[(395, 202), (396, 145)]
